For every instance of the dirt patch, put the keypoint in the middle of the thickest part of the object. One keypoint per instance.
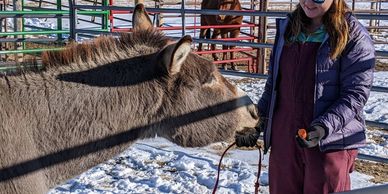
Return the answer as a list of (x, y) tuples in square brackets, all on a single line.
[(381, 66), (377, 134), (378, 139), (376, 128), (219, 148), (379, 171), (243, 81)]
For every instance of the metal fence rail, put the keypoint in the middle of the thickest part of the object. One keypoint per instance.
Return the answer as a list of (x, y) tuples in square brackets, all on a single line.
[(372, 158), (39, 12), (379, 189), (74, 9)]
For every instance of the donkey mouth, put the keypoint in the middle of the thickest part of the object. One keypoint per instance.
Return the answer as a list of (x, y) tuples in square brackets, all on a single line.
[(220, 19)]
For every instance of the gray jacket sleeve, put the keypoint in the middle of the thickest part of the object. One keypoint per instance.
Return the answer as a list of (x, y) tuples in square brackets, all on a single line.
[(356, 76)]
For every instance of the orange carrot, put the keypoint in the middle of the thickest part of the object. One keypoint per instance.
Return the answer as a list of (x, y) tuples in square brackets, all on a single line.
[(302, 133)]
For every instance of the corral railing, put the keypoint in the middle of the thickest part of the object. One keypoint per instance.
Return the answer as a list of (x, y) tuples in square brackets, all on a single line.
[(29, 35), (102, 9), (207, 12)]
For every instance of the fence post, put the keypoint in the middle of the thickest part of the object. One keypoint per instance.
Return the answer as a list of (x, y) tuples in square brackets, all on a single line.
[(59, 20), (3, 25), (104, 17), (111, 25), (159, 17), (18, 27), (72, 20), (183, 17), (262, 38), (372, 23), (252, 66)]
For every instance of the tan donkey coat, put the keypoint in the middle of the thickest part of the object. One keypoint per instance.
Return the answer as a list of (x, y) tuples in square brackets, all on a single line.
[(94, 99)]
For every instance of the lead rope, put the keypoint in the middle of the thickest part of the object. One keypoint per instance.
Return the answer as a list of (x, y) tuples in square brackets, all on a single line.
[(257, 184)]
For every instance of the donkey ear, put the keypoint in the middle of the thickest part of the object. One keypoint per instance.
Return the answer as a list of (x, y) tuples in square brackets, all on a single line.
[(174, 55), (140, 18)]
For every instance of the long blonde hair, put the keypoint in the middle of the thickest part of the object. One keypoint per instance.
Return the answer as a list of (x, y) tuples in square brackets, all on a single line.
[(334, 21)]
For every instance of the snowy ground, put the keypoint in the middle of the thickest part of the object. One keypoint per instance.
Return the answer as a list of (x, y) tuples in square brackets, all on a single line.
[(158, 166)]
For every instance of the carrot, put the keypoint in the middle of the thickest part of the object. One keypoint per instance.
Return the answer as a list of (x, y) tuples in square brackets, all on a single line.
[(302, 133)]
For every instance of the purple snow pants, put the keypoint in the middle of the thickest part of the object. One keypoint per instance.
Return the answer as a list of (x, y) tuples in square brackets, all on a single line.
[(295, 170)]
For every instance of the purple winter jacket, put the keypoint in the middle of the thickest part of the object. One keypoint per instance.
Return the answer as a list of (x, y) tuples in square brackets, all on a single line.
[(342, 87)]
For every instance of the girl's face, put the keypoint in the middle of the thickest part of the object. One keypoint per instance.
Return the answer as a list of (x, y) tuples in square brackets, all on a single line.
[(313, 10)]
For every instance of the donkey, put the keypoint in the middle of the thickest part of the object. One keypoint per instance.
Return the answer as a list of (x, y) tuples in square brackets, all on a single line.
[(94, 99), (232, 32)]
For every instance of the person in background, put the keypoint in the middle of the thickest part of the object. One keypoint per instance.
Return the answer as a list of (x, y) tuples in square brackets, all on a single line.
[(320, 75)]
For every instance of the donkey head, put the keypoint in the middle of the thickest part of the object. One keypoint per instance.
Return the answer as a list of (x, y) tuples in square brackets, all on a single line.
[(227, 5), (202, 105), (140, 19)]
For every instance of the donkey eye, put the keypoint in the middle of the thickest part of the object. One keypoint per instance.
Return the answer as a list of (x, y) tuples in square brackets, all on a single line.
[(209, 80)]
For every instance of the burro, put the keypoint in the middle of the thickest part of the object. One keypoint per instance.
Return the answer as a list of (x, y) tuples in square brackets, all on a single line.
[(93, 99)]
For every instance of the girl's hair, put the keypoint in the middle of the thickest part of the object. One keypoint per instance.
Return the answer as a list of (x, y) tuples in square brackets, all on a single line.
[(334, 21)]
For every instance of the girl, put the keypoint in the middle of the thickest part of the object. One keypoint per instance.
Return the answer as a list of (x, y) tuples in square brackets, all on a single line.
[(320, 75)]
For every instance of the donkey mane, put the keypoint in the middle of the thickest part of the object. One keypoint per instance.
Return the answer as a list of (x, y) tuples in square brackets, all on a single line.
[(106, 49)]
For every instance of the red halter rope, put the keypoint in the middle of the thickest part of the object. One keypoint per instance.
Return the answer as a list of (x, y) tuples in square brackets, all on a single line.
[(257, 184)]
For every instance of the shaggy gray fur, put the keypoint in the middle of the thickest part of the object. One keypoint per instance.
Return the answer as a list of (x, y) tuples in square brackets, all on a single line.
[(94, 99)]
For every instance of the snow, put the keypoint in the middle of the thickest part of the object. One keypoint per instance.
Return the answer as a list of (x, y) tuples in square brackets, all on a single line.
[(159, 166)]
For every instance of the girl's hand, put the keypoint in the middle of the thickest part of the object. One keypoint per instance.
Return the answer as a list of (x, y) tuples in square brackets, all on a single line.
[(311, 139), (247, 137)]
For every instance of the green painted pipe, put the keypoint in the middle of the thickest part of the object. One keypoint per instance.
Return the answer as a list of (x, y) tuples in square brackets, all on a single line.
[(92, 12), (32, 12), (106, 16), (35, 32), (16, 67), (13, 13), (29, 50), (59, 19)]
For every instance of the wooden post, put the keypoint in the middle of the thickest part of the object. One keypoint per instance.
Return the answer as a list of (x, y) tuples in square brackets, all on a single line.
[(372, 23), (252, 67), (262, 37), (379, 2)]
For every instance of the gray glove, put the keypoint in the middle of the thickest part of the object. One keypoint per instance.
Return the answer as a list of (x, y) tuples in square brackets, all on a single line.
[(248, 137), (314, 134)]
